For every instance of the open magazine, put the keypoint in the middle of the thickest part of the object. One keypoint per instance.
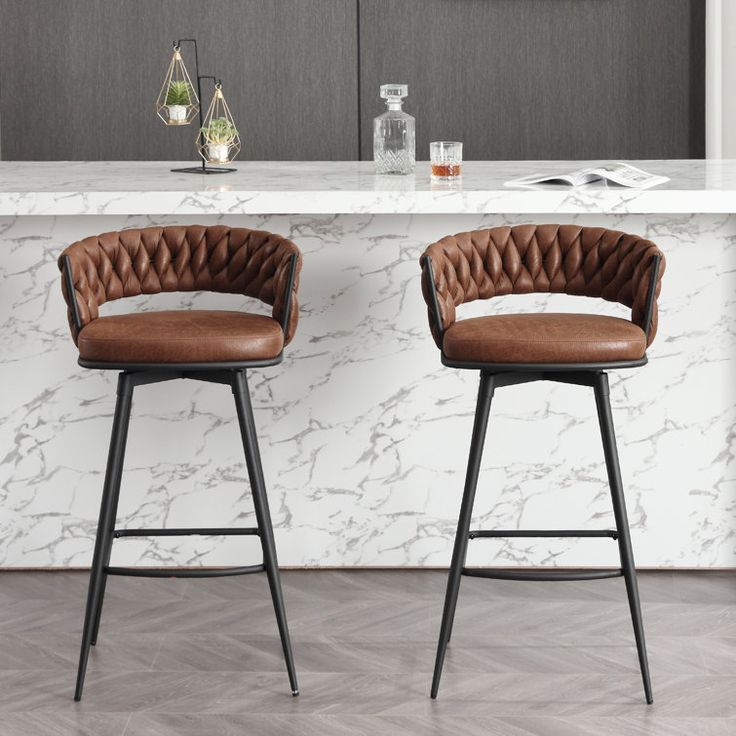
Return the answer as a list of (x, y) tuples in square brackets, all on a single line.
[(623, 175)]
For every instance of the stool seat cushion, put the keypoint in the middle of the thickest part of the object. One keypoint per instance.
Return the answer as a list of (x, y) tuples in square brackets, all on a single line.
[(185, 336), (544, 338)]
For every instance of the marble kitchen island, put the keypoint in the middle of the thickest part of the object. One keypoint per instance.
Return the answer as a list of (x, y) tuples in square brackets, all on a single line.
[(364, 435)]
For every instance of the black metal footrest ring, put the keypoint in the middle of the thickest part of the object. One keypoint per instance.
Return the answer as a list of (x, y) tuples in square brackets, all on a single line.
[(197, 572), (539, 533), (540, 575), (177, 532)]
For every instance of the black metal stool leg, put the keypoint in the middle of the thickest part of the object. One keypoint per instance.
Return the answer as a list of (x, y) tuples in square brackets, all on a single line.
[(605, 419), (106, 522), (482, 410), (263, 515), (108, 549)]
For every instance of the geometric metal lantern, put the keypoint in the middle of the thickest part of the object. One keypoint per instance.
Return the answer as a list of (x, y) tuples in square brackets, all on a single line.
[(218, 142), (177, 102)]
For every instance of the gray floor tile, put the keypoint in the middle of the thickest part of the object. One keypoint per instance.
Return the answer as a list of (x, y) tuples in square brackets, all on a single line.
[(526, 659), (41, 723)]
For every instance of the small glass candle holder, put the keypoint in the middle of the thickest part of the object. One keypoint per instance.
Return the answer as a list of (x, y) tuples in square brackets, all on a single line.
[(446, 158)]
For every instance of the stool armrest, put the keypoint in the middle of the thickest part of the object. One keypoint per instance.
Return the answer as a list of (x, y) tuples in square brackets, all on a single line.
[(71, 291), (289, 293), (431, 297), (651, 295)]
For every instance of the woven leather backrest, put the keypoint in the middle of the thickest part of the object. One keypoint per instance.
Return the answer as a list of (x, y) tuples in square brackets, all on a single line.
[(566, 259), (181, 258)]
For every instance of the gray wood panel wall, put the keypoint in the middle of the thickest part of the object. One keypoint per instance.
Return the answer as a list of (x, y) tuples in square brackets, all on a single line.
[(79, 78), (514, 79), (542, 79)]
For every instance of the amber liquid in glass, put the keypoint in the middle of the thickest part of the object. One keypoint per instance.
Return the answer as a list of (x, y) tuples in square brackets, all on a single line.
[(446, 170)]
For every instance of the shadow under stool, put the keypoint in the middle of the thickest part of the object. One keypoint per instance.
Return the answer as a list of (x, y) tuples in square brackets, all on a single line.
[(201, 345), (512, 349)]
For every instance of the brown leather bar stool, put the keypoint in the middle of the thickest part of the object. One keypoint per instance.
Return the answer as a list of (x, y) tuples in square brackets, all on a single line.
[(518, 348), (152, 347)]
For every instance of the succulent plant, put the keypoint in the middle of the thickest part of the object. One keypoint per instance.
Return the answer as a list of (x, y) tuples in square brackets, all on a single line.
[(220, 130), (178, 94)]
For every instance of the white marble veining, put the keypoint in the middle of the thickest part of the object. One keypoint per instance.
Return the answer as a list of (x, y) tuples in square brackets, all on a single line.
[(347, 187), (364, 434)]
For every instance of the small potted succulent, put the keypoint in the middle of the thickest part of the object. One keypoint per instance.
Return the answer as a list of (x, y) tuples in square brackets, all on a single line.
[(219, 135), (178, 99)]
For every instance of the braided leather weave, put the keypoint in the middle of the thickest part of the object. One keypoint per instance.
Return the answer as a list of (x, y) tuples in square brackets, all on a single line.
[(566, 259), (181, 258)]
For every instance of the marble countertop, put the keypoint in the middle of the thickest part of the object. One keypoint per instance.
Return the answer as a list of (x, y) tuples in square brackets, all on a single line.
[(347, 187)]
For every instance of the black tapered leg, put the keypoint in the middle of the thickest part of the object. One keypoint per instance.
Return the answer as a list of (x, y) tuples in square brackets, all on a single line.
[(106, 522), (482, 410), (263, 516), (108, 548), (608, 436)]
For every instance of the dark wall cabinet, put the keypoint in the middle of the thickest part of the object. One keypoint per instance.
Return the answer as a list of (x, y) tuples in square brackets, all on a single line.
[(513, 79)]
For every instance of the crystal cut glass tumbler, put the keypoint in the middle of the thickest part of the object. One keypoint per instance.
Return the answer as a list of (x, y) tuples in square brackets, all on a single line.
[(446, 159)]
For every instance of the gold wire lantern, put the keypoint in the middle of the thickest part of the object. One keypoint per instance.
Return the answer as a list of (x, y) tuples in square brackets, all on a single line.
[(218, 142), (177, 102)]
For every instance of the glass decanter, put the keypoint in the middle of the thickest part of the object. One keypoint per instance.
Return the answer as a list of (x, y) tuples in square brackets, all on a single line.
[(394, 134)]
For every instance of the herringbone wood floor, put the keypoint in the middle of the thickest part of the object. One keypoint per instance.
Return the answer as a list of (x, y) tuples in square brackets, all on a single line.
[(526, 659)]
